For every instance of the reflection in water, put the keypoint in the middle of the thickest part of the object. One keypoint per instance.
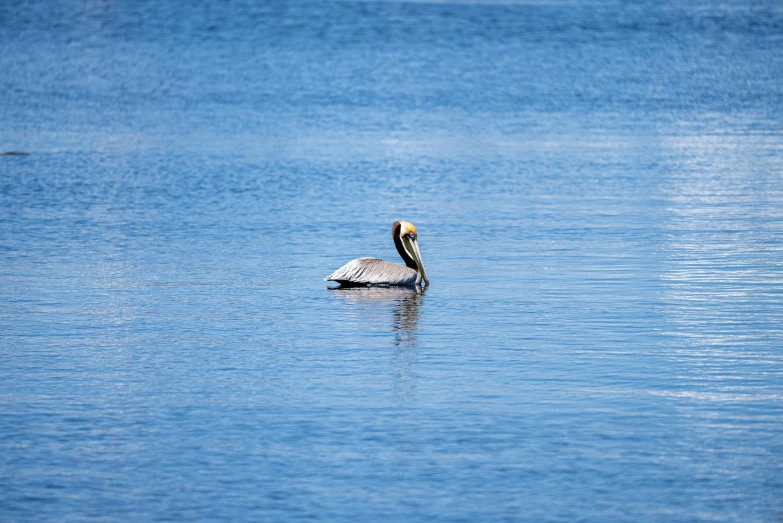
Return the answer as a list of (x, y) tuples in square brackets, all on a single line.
[(405, 303), (722, 278)]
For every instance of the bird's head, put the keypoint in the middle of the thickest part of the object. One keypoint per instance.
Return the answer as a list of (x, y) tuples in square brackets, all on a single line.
[(408, 237)]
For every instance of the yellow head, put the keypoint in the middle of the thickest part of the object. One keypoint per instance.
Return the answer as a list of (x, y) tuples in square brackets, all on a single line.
[(407, 228)]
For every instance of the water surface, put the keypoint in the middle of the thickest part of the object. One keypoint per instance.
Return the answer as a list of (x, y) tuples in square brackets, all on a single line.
[(598, 191)]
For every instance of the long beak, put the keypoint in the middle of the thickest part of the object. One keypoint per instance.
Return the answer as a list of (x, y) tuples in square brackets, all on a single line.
[(412, 246)]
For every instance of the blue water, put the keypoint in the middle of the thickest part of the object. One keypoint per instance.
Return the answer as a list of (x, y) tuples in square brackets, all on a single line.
[(598, 191)]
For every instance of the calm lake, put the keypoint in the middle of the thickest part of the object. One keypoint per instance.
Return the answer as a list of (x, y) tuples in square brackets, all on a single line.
[(598, 192)]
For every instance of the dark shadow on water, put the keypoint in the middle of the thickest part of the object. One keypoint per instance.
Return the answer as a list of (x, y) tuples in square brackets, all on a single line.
[(405, 304)]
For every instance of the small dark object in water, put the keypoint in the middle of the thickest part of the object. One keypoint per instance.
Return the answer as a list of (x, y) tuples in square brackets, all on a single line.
[(15, 153)]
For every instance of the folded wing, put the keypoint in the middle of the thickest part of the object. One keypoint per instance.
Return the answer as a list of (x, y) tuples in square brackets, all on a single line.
[(372, 271)]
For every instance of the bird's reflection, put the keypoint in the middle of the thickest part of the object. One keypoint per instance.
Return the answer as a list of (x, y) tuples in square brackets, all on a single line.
[(405, 304)]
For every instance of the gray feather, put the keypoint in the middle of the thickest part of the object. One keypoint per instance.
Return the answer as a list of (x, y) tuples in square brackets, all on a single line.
[(372, 271)]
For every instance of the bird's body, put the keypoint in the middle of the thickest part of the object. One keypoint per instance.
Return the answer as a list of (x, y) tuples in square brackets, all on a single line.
[(372, 271)]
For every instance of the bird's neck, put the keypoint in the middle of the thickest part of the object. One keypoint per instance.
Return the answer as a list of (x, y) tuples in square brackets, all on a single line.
[(401, 249)]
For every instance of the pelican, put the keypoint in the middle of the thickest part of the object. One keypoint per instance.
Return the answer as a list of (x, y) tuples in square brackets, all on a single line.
[(372, 271)]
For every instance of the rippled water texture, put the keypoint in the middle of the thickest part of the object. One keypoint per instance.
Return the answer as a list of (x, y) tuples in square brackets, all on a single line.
[(598, 191)]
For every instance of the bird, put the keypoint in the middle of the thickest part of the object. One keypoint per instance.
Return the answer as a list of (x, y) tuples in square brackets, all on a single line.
[(365, 272)]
